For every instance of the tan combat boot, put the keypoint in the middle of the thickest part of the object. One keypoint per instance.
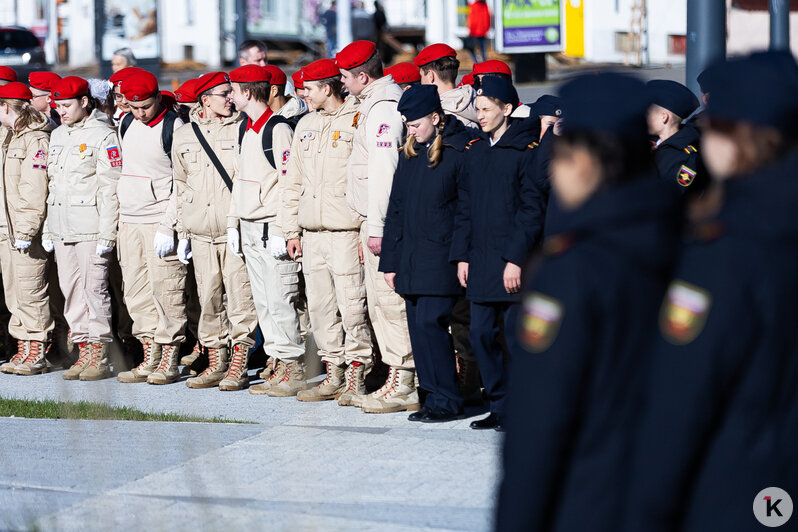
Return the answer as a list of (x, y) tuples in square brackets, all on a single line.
[(84, 357), (330, 388), (292, 382), (166, 372), (152, 357), (355, 383), (193, 356), (214, 373), (98, 367), (22, 354), (271, 366), (277, 373), (400, 394), (236, 377), (35, 362)]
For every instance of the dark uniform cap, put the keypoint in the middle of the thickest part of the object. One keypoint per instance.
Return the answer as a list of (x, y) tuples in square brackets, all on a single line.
[(419, 101), (759, 89), (499, 88), (434, 52), (7, 74), (278, 77), (250, 74), (491, 66), (321, 69), (355, 54), (405, 72), (607, 103), (15, 91), (673, 96), (548, 105), (69, 87), (42, 80)]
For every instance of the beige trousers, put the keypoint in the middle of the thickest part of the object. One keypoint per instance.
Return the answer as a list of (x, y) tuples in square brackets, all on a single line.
[(336, 296), (387, 312), (83, 276), (219, 272), (275, 289), (25, 285), (154, 287)]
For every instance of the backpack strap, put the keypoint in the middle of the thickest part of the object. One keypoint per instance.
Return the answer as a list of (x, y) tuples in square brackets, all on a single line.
[(167, 132), (212, 155), (268, 131), (124, 124), (242, 128)]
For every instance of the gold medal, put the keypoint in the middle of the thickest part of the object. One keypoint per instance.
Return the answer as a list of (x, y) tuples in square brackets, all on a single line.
[(82, 150), (335, 137)]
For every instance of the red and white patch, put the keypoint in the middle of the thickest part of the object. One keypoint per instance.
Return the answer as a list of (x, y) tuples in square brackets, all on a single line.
[(114, 156), (383, 129), (39, 160), (286, 156)]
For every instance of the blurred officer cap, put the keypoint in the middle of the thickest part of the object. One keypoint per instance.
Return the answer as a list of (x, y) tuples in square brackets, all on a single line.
[(548, 105)]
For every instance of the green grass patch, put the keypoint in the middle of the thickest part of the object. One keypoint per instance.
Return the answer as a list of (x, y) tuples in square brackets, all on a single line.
[(86, 410)]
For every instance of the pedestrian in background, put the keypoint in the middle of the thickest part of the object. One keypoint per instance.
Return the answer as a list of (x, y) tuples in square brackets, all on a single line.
[(478, 28)]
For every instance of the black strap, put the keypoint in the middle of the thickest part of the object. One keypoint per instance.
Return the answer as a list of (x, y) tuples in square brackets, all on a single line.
[(265, 237), (127, 119), (268, 131), (214, 159), (167, 132)]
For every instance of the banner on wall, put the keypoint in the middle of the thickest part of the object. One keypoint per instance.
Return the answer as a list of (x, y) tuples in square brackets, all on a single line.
[(529, 26), (133, 24)]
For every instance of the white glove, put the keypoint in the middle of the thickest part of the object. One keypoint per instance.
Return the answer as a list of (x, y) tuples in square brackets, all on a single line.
[(163, 244), (234, 241), (21, 244), (184, 250), (277, 247), (48, 245), (102, 250)]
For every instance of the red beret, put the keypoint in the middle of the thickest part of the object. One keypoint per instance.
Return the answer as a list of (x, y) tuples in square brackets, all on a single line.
[(69, 87), (492, 66), (468, 79), (123, 74), (355, 54), (185, 93), (321, 69), (7, 73), (277, 76), (15, 91), (250, 74), (433, 52), (168, 99), (405, 72), (209, 81), (140, 86), (42, 80), (296, 77)]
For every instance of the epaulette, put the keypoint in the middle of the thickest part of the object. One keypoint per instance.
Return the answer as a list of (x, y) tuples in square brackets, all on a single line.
[(532, 146), (690, 149), (470, 142)]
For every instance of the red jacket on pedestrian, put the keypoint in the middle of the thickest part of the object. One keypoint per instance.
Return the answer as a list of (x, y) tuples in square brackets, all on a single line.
[(478, 19)]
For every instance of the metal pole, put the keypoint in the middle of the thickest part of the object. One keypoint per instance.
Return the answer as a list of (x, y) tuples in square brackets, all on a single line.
[(241, 24), (343, 10), (706, 37), (779, 24)]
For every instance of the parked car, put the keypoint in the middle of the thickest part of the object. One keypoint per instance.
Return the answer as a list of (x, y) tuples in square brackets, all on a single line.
[(21, 49)]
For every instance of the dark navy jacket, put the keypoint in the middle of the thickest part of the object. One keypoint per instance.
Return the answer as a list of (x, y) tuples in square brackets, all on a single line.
[(678, 160), (420, 219), (722, 391), (501, 208), (588, 312)]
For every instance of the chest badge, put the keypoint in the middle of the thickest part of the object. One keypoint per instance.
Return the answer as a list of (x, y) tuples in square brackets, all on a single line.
[(335, 136), (82, 150), (540, 322), (684, 312), (686, 176)]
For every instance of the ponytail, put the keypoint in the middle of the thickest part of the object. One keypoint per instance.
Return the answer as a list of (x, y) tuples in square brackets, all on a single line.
[(27, 114)]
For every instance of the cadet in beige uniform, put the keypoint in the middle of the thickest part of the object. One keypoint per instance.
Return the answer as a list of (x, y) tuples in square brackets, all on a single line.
[(315, 208), (374, 158), (273, 276), (22, 210), (439, 66), (83, 166), (153, 278), (203, 202)]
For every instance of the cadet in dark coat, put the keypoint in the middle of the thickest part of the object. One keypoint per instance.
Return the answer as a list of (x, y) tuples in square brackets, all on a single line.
[(501, 208), (417, 240), (719, 424), (676, 153), (589, 309)]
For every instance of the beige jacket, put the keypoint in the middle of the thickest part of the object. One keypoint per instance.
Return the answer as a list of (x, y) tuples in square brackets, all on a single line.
[(258, 185), (24, 185), (461, 102), (203, 199), (375, 154), (293, 107), (83, 165), (314, 197)]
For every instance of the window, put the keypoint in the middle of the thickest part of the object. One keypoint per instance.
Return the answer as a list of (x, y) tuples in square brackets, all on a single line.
[(622, 42), (677, 45)]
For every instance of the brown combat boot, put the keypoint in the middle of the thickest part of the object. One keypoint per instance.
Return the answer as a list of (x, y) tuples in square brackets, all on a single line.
[(355, 383), (166, 372), (22, 354), (192, 357), (330, 388), (399, 394), (269, 369), (293, 380), (236, 377), (35, 362), (277, 373), (152, 357), (84, 357), (214, 373), (98, 367)]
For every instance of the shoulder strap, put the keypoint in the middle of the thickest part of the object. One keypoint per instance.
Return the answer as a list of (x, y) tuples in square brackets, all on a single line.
[(214, 159), (242, 128), (126, 121), (167, 132), (266, 138)]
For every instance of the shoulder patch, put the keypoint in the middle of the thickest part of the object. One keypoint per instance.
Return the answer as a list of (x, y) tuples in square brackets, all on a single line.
[(541, 317), (470, 142), (532, 146), (356, 119), (686, 176), (690, 149), (40, 160), (113, 155), (684, 312)]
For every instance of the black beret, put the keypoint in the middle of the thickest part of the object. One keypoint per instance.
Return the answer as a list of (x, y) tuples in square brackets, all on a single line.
[(673, 96), (499, 88), (548, 105), (418, 101), (608, 103)]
